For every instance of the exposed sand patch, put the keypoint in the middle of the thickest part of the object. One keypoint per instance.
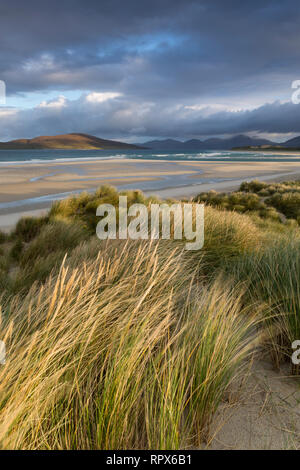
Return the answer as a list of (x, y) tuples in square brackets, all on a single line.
[(177, 179), (266, 415), (33, 180), (223, 186), (8, 221)]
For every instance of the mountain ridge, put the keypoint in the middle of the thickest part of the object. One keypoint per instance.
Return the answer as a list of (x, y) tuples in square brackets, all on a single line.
[(213, 143), (81, 141), (70, 141)]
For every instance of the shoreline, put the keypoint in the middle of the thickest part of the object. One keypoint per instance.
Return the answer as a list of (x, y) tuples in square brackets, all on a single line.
[(30, 190), (223, 186)]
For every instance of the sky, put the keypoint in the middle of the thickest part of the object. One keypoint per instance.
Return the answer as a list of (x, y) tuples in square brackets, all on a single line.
[(137, 70)]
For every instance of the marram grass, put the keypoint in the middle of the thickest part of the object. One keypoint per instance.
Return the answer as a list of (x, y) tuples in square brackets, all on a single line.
[(132, 345), (119, 352)]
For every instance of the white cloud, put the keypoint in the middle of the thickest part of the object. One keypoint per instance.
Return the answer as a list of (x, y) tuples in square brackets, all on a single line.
[(124, 118), (96, 97), (60, 102), (6, 112)]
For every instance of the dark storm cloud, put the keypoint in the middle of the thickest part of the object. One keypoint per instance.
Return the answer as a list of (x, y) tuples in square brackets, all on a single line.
[(173, 48), (167, 53)]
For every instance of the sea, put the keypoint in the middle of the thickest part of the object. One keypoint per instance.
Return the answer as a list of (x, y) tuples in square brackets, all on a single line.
[(48, 156)]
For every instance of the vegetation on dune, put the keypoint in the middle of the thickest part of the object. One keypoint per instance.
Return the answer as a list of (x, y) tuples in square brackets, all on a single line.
[(275, 201), (28, 228), (93, 367), (133, 344), (267, 189), (288, 204), (273, 278), (3, 237)]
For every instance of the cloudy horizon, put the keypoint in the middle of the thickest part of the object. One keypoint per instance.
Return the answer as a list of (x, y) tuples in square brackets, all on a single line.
[(137, 71)]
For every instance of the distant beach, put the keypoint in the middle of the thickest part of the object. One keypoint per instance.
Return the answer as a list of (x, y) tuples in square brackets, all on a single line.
[(31, 187)]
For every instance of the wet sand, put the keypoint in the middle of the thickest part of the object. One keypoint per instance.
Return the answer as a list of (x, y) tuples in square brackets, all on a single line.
[(33, 187)]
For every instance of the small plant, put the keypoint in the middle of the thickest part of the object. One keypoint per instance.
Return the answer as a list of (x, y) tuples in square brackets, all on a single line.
[(287, 203), (16, 250), (29, 227), (273, 279), (3, 237), (54, 237)]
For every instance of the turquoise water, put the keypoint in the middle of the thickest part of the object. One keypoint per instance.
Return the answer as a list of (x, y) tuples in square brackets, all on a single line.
[(36, 156)]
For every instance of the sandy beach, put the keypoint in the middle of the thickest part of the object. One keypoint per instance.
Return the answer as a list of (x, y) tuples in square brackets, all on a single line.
[(29, 189)]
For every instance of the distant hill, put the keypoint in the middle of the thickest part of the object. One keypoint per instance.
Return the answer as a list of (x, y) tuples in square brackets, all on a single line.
[(295, 142), (208, 144), (288, 145), (267, 148), (81, 141), (193, 144), (66, 141), (166, 144)]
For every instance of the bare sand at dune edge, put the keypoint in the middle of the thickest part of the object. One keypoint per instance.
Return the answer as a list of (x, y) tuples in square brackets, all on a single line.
[(261, 412)]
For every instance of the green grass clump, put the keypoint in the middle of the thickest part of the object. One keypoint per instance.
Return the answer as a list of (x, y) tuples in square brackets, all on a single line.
[(254, 186), (272, 276), (28, 228), (275, 201), (4, 263), (268, 189), (54, 237), (242, 202), (238, 201), (83, 207), (3, 237), (287, 203), (36, 272), (16, 250), (227, 236)]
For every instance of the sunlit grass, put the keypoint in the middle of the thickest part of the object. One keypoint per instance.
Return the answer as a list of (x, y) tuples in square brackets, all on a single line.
[(133, 344), (120, 352)]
